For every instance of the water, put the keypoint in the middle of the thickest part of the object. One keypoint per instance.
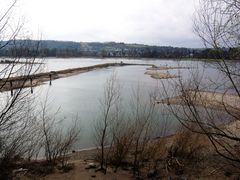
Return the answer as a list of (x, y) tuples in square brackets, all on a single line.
[(79, 95)]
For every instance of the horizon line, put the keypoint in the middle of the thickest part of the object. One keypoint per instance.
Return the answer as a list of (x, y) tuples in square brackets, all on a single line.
[(143, 44)]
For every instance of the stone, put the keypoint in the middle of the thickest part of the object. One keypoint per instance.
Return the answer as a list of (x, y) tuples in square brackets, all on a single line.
[(91, 166)]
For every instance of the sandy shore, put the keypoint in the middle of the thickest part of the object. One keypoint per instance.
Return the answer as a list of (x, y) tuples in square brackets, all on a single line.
[(213, 100), (160, 75), (155, 73), (82, 158), (161, 68)]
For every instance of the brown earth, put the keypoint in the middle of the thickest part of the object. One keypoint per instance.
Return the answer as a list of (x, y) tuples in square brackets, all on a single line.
[(183, 139)]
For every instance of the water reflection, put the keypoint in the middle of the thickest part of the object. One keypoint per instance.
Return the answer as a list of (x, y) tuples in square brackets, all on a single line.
[(80, 94)]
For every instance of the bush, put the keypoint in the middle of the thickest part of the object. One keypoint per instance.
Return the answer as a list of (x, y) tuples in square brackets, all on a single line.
[(187, 152), (66, 168), (40, 169)]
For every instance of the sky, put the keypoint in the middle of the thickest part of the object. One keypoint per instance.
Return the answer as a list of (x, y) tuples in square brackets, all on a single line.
[(152, 22)]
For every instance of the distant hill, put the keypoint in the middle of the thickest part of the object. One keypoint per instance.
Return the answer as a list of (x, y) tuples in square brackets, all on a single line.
[(51, 48)]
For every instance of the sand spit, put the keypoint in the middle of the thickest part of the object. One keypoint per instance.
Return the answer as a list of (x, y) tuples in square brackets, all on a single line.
[(155, 73), (160, 75), (161, 68), (7, 84), (212, 100)]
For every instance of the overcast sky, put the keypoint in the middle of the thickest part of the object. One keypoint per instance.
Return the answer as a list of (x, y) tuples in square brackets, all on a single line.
[(153, 22)]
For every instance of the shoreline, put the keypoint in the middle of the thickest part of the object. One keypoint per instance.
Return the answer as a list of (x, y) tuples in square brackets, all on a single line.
[(134, 58), (34, 80), (160, 75), (155, 72), (207, 99)]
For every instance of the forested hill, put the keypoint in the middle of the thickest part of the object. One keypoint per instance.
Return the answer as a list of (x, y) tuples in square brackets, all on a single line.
[(49, 48)]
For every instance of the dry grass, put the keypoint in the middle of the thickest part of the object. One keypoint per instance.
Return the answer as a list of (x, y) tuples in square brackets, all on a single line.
[(183, 155)]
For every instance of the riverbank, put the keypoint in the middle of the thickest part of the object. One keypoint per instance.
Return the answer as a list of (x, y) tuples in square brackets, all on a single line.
[(85, 166)]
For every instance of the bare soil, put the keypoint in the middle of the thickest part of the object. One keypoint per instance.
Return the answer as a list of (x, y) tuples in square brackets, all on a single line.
[(79, 172), (187, 140)]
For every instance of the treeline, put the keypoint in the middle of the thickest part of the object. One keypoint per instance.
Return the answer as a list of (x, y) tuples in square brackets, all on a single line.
[(225, 53), (30, 48)]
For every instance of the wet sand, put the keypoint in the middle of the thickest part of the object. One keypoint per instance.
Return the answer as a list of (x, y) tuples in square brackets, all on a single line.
[(161, 68), (160, 75), (155, 73), (212, 100)]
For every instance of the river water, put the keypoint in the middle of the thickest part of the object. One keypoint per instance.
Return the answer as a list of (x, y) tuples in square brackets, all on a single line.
[(80, 95)]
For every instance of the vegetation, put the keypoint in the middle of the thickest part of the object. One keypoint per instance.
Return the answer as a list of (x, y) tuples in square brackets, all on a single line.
[(217, 24), (24, 134), (206, 143), (24, 48)]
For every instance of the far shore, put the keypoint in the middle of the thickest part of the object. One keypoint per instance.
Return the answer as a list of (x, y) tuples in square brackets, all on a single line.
[(131, 58)]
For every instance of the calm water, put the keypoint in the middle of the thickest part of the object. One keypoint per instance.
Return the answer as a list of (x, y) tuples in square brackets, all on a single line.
[(79, 95)]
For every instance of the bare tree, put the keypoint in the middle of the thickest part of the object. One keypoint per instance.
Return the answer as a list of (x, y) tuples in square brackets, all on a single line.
[(56, 140), (15, 119), (197, 111), (217, 23), (105, 120), (204, 106), (122, 132), (142, 116)]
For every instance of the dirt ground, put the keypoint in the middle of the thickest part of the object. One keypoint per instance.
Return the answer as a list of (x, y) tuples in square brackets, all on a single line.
[(79, 172), (82, 159)]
